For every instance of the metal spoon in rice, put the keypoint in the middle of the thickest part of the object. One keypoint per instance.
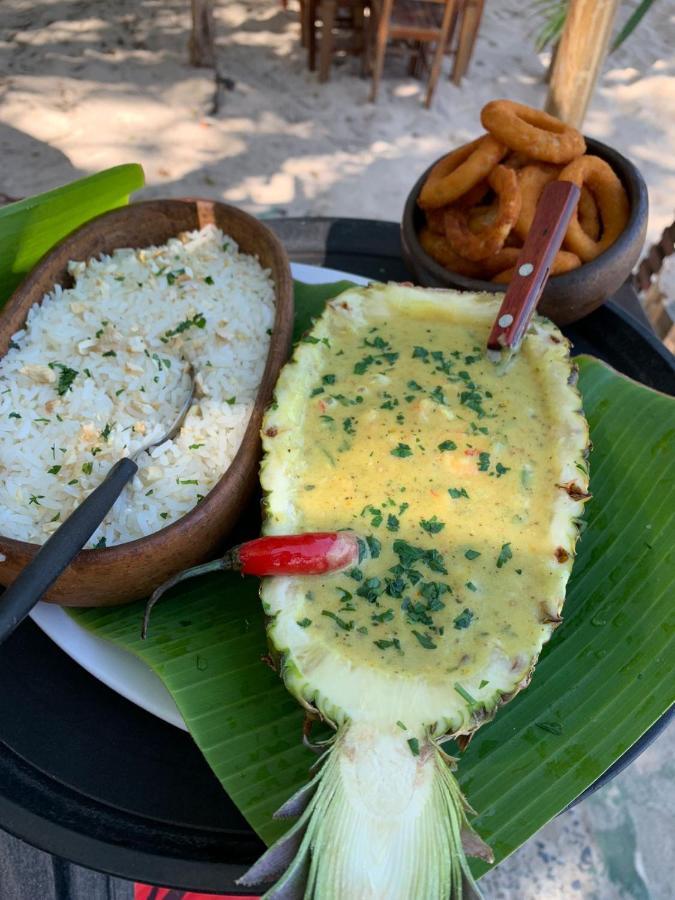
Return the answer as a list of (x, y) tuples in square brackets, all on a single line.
[(67, 541)]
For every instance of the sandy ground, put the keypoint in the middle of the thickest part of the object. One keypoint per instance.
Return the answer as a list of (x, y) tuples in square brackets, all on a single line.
[(85, 85)]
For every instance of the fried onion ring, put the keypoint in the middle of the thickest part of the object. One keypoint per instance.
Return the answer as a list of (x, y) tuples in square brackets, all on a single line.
[(532, 131), (437, 248), (436, 220), (532, 180), (503, 259), (563, 262), (480, 217), (459, 171), (589, 216), (504, 183), (610, 196)]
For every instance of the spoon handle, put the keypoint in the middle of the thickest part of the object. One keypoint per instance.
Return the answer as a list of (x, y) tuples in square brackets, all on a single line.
[(554, 211), (61, 548)]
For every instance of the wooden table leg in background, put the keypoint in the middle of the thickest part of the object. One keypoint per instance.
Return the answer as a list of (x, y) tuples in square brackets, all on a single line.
[(328, 11), (468, 32), (579, 58)]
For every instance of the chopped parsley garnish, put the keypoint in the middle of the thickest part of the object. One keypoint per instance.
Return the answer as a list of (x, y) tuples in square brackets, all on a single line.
[(361, 366), (348, 426), (100, 544), (432, 525), (473, 400), (14, 415), (425, 640), (472, 554), (401, 726), (195, 446), (356, 574), (303, 623), (483, 462), (328, 379), (471, 586), (420, 353), (327, 418), (345, 626), (376, 514), (447, 445), (386, 616), (316, 392), (392, 523), (56, 517), (501, 470), (208, 279), (105, 434), (463, 620), (87, 468), (402, 451), (109, 353), (408, 555), (456, 493), (370, 589), (54, 470), (414, 745), (164, 515), (438, 396), (197, 321), (171, 276), (414, 386), (374, 546), (66, 377), (395, 587), (187, 481), (385, 645), (73, 481), (505, 555), (416, 613), (432, 591)]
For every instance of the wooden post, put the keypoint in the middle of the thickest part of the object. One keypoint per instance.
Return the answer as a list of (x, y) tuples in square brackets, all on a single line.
[(201, 44), (579, 58)]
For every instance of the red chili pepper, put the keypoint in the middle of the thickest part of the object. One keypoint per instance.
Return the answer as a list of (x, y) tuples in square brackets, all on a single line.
[(314, 553)]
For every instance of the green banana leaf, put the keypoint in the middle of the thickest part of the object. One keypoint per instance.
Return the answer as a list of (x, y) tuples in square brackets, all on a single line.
[(31, 227), (601, 682)]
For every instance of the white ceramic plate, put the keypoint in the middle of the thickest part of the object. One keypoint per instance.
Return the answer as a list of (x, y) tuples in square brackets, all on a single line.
[(119, 669)]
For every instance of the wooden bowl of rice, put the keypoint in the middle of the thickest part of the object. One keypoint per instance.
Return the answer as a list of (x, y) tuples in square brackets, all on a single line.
[(120, 572)]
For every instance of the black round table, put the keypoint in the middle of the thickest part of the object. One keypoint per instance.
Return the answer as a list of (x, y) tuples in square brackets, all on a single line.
[(90, 777)]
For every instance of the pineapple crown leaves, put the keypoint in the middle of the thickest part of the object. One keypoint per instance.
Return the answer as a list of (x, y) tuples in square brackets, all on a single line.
[(287, 862)]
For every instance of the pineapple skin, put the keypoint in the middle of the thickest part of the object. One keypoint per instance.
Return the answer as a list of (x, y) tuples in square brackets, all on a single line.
[(443, 710), (383, 817)]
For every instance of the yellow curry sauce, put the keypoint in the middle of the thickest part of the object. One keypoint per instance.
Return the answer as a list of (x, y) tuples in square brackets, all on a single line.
[(419, 443)]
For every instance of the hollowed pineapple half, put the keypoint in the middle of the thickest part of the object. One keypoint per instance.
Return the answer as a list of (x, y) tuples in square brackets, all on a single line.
[(466, 480)]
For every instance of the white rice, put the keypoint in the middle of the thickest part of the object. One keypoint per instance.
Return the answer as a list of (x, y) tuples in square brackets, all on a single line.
[(117, 328)]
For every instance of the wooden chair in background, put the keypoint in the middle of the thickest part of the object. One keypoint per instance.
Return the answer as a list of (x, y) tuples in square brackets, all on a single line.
[(416, 21), (342, 25)]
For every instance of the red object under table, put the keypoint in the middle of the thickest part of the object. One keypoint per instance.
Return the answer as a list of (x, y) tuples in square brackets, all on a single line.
[(148, 892)]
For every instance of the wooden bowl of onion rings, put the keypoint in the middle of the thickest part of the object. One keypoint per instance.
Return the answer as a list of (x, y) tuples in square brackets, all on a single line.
[(579, 288)]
